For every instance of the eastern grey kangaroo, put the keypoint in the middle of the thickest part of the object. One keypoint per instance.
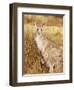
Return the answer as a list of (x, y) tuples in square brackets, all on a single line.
[(51, 54)]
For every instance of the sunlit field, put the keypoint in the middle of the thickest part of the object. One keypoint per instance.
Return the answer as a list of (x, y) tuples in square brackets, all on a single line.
[(52, 30)]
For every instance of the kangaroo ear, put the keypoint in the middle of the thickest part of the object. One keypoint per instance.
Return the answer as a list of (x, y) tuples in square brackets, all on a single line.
[(43, 24), (33, 23)]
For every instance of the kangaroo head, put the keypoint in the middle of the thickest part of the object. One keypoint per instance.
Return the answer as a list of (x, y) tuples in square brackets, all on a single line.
[(39, 28)]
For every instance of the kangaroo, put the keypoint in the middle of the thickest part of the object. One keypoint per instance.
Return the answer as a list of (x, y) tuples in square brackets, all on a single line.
[(50, 53)]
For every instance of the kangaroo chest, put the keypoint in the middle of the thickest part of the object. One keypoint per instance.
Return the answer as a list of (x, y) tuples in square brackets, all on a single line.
[(41, 43)]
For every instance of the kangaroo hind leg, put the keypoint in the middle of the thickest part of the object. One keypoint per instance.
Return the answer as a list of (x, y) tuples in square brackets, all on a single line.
[(51, 69)]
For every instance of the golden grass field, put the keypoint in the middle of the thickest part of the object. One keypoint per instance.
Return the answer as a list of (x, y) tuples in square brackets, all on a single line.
[(52, 31)]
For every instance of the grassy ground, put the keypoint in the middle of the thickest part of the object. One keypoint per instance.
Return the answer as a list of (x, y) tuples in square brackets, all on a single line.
[(32, 61)]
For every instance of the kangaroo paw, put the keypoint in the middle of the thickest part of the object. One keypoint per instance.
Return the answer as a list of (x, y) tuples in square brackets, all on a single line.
[(42, 61)]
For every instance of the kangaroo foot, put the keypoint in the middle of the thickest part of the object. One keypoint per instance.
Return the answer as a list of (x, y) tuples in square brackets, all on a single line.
[(51, 69)]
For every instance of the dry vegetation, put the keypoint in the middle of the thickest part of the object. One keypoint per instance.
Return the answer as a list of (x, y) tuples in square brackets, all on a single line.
[(53, 29)]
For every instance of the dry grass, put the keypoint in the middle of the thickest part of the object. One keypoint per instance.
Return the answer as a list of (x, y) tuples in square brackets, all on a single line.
[(32, 61)]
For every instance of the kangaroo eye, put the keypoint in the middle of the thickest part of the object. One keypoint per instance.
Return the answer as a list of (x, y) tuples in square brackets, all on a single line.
[(37, 29)]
